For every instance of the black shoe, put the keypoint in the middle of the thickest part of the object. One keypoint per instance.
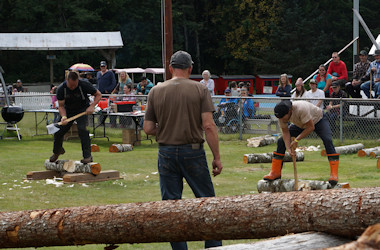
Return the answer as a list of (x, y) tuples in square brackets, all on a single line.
[(86, 160), (54, 156)]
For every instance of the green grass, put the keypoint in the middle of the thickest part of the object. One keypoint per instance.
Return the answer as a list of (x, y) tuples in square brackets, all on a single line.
[(140, 181)]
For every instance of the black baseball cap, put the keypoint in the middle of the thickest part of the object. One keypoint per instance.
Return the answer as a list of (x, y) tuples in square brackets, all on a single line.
[(181, 60), (363, 53), (282, 108)]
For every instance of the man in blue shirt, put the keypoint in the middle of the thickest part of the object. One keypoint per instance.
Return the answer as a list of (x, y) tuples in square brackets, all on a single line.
[(106, 79), (374, 68)]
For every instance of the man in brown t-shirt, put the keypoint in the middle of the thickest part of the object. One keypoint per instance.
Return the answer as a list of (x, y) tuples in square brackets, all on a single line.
[(178, 111), (305, 118)]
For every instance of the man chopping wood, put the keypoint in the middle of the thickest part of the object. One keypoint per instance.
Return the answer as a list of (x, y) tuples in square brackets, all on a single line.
[(73, 99), (178, 112), (305, 118)]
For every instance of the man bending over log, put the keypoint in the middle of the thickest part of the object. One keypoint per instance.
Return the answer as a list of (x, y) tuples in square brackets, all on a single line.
[(304, 118), (178, 111), (72, 100)]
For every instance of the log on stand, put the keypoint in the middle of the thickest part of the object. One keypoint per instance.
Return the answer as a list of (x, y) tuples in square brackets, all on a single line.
[(287, 185), (342, 212), (115, 148), (347, 149), (73, 166), (261, 141), (367, 151), (267, 157)]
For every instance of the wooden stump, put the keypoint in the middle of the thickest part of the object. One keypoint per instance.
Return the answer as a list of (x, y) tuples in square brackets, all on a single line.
[(367, 151), (374, 154), (94, 148), (267, 157), (73, 166), (378, 162), (115, 148), (347, 149), (287, 185), (261, 141)]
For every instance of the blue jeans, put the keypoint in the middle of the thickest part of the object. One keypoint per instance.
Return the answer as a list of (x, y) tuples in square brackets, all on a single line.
[(375, 87), (176, 162), (323, 130)]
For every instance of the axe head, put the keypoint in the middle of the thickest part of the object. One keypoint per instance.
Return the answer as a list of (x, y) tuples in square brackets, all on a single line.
[(52, 128)]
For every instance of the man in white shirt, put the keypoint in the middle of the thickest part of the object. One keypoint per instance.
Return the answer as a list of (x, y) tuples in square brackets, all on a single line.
[(315, 93)]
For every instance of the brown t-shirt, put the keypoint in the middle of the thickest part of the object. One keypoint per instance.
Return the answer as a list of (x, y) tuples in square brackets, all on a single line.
[(303, 112), (176, 105)]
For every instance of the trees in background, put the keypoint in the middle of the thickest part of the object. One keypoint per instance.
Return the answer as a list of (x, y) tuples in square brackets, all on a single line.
[(226, 37)]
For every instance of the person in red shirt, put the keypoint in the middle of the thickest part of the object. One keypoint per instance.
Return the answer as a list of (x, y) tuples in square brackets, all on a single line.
[(338, 70)]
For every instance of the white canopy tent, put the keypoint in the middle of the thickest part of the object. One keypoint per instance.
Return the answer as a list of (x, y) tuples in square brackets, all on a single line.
[(373, 48)]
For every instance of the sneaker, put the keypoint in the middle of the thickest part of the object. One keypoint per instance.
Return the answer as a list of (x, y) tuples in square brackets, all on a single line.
[(86, 160), (54, 157)]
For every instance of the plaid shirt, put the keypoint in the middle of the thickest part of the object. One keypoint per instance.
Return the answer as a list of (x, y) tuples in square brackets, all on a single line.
[(374, 64), (360, 69)]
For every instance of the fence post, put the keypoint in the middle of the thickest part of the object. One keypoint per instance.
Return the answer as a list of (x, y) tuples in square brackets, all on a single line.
[(341, 119), (240, 118)]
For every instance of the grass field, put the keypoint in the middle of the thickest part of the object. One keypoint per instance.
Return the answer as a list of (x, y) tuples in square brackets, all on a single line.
[(140, 181)]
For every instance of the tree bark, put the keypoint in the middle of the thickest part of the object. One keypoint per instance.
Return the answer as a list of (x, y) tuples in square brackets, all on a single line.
[(73, 166), (347, 149), (261, 141), (342, 212), (287, 185), (267, 157), (94, 148), (120, 148), (374, 153), (370, 239), (367, 151)]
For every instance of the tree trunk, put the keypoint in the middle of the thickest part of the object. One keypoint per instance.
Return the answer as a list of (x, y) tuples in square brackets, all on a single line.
[(374, 153), (120, 148), (343, 212), (287, 185), (267, 157), (261, 141), (73, 166), (367, 151), (370, 239), (94, 148), (347, 149)]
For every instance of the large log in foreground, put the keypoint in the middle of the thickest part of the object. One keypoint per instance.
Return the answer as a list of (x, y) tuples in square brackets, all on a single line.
[(267, 157), (343, 212), (347, 149), (73, 166)]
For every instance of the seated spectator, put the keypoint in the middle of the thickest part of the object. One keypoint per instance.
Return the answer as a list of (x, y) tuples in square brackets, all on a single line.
[(360, 69), (300, 91), (284, 86), (91, 79), (315, 93), (227, 109), (334, 106), (248, 105), (123, 80), (338, 70), (144, 86), (54, 103), (210, 84), (18, 87), (235, 91), (228, 92), (323, 80), (128, 95), (373, 69)]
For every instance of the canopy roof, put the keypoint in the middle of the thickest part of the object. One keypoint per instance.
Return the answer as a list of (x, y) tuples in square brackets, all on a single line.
[(61, 41), (373, 48)]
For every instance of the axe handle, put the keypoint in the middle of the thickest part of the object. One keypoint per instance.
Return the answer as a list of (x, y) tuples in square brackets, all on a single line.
[(73, 117), (295, 170)]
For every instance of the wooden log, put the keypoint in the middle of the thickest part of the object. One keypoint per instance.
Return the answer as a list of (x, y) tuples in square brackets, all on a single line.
[(73, 166), (370, 239), (347, 149), (342, 212), (267, 157), (85, 177), (374, 153), (42, 175), (366, 151), (261, 141), (94, 148), (115, 148), (287, 185), (378, 162)]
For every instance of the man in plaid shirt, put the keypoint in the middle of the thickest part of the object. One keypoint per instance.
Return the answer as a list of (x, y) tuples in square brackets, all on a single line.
[(353, 88), (374, 69)]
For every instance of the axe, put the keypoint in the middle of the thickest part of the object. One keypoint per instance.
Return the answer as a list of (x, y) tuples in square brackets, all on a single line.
[(53, 128)]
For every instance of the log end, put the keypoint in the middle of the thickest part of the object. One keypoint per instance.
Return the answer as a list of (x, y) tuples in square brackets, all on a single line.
[(378, 163), (245, 159), (95, 168), (94, 148), (113, 149), (372, 155), (361, 153), (323, 152)]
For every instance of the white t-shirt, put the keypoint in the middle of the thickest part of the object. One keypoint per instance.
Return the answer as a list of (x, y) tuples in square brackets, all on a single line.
[(317, 94), (303, 112)]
